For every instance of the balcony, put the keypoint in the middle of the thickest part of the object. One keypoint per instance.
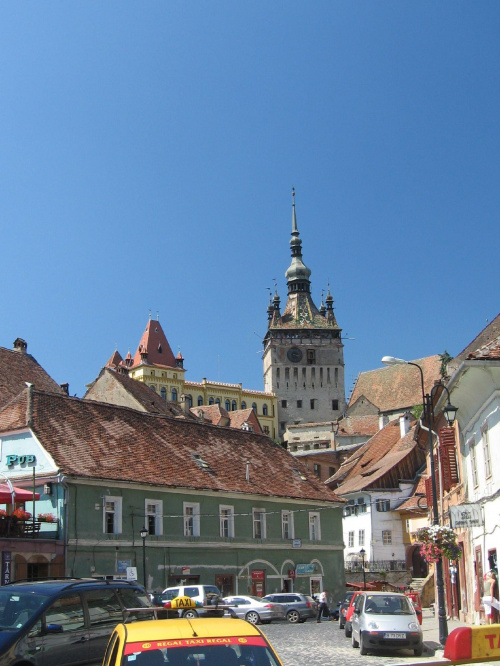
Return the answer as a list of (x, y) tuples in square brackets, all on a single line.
[(11, 528), (380, 565)]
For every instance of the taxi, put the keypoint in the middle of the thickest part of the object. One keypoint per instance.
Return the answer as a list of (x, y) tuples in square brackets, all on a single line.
[(189, 642)]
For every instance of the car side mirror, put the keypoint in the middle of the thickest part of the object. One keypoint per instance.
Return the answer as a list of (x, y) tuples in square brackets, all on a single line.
[(54, 628), (357, 611), (418, 611)]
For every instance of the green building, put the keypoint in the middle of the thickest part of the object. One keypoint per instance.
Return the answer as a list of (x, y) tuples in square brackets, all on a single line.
[(219, 505)]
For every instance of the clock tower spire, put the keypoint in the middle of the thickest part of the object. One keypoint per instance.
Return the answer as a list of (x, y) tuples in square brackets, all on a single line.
[(303, 351)]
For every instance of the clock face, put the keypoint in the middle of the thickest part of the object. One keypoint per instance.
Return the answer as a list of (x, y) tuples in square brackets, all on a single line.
[(294, 354)]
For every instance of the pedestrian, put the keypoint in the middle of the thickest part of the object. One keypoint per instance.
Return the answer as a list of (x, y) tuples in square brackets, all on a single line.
[(323, 606), (490, 582)]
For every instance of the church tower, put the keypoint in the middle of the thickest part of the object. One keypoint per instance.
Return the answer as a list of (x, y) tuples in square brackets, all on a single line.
[(303, 351)]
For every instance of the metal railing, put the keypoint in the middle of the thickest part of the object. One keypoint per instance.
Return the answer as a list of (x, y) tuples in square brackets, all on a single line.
[(380, 565)]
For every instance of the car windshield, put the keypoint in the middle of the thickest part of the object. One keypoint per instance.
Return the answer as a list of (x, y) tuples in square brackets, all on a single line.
[(388, 605), (232, 653), (17, 608)]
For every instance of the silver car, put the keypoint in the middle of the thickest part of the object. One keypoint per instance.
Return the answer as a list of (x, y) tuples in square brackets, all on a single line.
[(255, 609), (385, 621)]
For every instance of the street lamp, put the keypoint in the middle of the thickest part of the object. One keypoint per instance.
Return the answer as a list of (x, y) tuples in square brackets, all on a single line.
[(144, 534), (428, 414), (362, 553)]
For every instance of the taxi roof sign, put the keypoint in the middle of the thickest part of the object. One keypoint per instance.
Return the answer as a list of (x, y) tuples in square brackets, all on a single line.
[(473, 643), (183, 602)]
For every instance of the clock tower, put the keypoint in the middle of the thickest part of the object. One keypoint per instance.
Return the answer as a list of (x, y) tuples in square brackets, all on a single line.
[(303, 351)]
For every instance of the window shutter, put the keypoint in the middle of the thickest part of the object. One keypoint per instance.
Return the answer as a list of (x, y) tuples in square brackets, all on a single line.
[(447, 457), (428, 491)]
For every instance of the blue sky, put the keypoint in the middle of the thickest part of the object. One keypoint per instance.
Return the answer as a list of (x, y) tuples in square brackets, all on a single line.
[(148, 151)]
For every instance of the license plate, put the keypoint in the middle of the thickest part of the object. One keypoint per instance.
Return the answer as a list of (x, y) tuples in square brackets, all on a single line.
[(394, 635)]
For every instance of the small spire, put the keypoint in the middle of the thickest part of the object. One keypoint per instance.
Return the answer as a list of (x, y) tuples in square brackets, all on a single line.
[(295, 230), (322, 308), (157, 315)]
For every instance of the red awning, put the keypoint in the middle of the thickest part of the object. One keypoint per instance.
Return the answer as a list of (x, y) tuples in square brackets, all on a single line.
[(359, 586), (20, 494)]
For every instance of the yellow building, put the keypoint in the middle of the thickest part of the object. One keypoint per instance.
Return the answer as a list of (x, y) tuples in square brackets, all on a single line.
[(154, 364)]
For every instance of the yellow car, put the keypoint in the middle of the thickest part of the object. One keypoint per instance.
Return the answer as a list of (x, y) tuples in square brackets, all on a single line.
[(189, 642)]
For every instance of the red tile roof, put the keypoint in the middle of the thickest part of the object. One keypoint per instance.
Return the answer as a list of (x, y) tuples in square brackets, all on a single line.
[(114, 360), (358, 425), (154, 343), (489, 351), (214, 414), (417, 500), (381, 462), (17, 368), (95, 440), (489, 333), (396, 387)]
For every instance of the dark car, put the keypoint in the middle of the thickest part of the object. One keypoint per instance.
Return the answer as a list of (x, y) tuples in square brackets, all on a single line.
[(343, 608), (298, 607), (66, 621)]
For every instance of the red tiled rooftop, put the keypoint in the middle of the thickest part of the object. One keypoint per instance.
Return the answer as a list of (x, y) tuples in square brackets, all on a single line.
[(489, 351), (154, 342)]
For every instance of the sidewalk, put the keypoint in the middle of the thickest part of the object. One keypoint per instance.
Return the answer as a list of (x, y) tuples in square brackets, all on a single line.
[(430, 629)]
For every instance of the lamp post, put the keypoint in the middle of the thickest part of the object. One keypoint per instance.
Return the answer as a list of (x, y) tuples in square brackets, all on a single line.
[(428, 415), (362, 553), (144, 534)]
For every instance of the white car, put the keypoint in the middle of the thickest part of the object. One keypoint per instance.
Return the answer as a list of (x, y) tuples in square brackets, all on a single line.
[(254, 609), (203, 595), (385, 621)]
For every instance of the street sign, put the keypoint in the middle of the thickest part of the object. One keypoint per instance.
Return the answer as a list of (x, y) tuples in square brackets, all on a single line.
[(131, 573)]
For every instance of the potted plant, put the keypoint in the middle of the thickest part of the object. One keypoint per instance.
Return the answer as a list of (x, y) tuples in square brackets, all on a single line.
[(21, 514), (3, 513), (46, 518), (438, 541)]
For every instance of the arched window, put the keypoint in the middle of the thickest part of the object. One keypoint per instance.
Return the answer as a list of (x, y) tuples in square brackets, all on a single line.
[(210, 401), (174, 395), (254, 407), (264, 410), (189, 399), (243, 405), (163, 392), (228, 405), (152, 387), (200, 400), (217, 401), (234, 406)]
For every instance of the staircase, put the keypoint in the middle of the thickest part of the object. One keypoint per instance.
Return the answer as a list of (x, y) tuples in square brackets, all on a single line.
[(425, 587)]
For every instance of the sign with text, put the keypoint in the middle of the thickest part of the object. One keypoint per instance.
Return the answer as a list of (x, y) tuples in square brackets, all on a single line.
[(6, 567), (297, 543), (131, 573), (304, 569), (258, 574), (466, 515)]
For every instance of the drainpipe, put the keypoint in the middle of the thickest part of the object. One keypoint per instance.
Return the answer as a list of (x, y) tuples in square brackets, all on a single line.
[(61, 479)]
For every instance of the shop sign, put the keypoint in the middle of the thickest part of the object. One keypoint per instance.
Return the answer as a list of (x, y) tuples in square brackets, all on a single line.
[(297, 543), (186, 571), (258, 574), (291, 573), (304, 569), (23, 459), (6, 567), (123, 565), (466, 515)]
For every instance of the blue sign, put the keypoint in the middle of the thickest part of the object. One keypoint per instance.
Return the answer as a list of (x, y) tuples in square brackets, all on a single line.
[(123, 565), (304, 569), (6, 567)]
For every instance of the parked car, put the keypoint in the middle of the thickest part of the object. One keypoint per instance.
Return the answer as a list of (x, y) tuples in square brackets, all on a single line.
[(66, 621), (348, 615), (254, 609), (193, 641), (297, 607), (343, 608), (203, 595), (385, 621)]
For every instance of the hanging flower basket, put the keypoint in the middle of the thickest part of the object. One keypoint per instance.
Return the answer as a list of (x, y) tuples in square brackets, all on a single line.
[(3, 513), (437, 542)]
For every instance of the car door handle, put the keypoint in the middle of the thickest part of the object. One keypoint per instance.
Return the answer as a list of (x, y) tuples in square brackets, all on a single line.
[(82, 639)]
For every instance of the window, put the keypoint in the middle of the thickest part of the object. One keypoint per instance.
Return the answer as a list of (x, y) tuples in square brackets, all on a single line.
[(227, 405), (163, 393), (486, 450), (317, 470), (200, 401), (104, 608), (112, 518), (264, 409), (312, 403), (234, 406), (174, 395), (189, 399), (386, 537), (336, 377), (259, 524), (314, 527), (335, 404), (282, 425), (287, 524), (243, 405), (154, 521), (299, 404), (226, 514), (350, 543), (217, 401), (361, 538), (383, 505), (283, 403), (331, 471), (265, 429), (152, 387), (210, 401), (67, 612), (473, 462), (311, 356), (254, 407), (191, 519)]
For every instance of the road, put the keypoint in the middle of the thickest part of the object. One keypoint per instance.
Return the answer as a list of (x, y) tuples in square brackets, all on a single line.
[(312, 644)]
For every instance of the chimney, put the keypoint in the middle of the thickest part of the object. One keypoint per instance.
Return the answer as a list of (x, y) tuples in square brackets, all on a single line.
[(184, 403), (404, 424), (383, 420), (65, 388), (20, 345)]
